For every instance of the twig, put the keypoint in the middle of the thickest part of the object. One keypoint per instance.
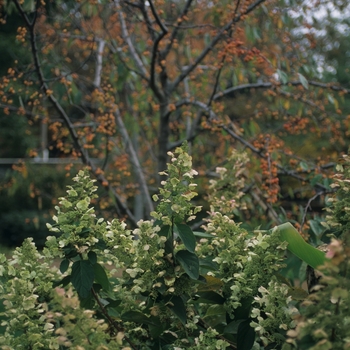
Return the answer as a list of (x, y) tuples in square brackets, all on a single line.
[(269, 85), (135, 160), (174, 33), (114, 324), (128, 41), (164, 29), (308, 205)]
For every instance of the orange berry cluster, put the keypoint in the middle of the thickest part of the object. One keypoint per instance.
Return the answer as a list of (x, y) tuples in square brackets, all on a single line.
[(268, 165), (296, 125)]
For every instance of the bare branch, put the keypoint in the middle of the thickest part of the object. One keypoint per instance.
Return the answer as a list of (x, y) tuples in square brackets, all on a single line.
[(187, 6), (308, 205), (270, 85), (127, 39), (135, 160), (164, 29), (158, 20), (99, 61)]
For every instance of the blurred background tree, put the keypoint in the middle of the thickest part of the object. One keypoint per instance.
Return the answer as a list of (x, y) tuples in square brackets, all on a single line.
[(115, 85)]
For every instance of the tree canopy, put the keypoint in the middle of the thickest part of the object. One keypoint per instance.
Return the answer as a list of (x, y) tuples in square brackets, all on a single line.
[(119, 84)]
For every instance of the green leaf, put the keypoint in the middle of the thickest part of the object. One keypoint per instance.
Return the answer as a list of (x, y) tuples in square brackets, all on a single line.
[(139, 317), (101, 277), (64, 265), (215, 315), (210, 297), (303, 81), (63, 282), (189, 263), (177, 306), (317, 227), (203, 234), (299, 247), (92, 257), (88, 302), (245, 335), (283, 77), (82, 277), (187, 236), (232, 327)]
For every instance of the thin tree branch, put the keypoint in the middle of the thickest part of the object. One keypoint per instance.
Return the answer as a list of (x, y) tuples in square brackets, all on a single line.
[(308, 205), (221, 65), (127, 39), (135, 161), (164, 32), (99, 61), (174, 33), (269, 85)]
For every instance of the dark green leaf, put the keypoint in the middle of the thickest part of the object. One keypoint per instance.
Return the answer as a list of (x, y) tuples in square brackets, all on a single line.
[(243, 311), (101, 277), (210, 297), (245, 336), (82, 277), (187, 236), (189, 263), (232, 327), (88, 302), (139, 317), (64, 265), (70, 252), (63, 282), (177, 306), (208, 263), (92, 257)]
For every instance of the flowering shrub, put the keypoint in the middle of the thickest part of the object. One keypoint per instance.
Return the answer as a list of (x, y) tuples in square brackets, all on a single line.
[(179, 289)]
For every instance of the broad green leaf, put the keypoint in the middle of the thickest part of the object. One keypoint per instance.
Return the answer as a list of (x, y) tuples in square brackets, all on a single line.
[(64, 265), (189, 263), (232, 327), (177, 306), (245, 335), (101, 277), (82, 277), (92, 257), (283, 77), (299, 247), (203, 234), (212, 284), (210, 297), (63, 282), (317, 227), (303, 81), (187, 236), (208, 263), (139, 317), (88, 302), (216, 314)]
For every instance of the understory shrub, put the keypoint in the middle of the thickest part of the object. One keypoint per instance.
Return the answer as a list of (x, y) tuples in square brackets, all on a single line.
[(165, 286)]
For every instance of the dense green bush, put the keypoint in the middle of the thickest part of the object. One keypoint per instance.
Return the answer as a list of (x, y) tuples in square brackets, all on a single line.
[(163, 286)]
